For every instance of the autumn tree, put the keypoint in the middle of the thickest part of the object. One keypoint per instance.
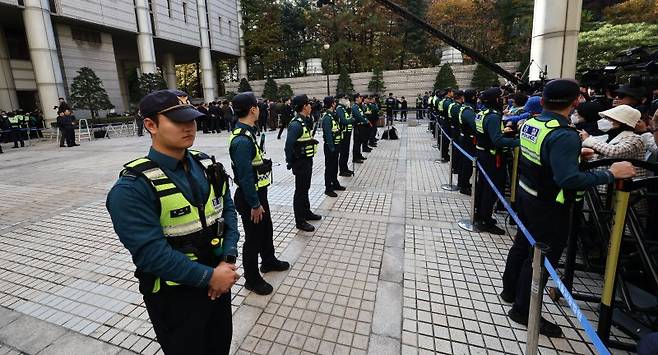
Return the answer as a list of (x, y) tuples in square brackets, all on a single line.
[(597, 47), (632, 11)]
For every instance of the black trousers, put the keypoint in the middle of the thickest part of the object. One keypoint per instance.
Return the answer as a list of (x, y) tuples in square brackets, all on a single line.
[(419, 113), (17, 136), (446, 142), (547, 223), (70, 135), (485, 199), (403, 115), (258, 237), (330, 167), (303, 171), (465, 165), (372, 132), (356, 147), (389, 116), (186, 321), (140, 127), (344, 152), (455, 155)]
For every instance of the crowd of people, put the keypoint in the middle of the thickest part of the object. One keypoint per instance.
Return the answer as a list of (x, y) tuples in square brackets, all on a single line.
[(15, 126)]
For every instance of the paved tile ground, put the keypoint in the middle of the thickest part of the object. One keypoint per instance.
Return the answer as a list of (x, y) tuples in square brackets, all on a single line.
[(387, 271)]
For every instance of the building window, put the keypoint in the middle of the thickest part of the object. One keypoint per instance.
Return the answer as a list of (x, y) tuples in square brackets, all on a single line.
[(86, 35), (17, 44), (185, 11), (169, 7), (220, 24)]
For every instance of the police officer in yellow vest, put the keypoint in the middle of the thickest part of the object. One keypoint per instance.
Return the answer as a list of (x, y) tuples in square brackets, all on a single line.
[(344, 114), (491, 143), (173, 211), (300, 149), (549, 179), (333, 135), (253, 174), (16, 124)]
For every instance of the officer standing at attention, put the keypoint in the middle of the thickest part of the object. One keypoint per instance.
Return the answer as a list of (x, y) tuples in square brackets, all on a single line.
[(442, 110), (372, 114), (15, 124), (453, 121), (300, 149), (332, 135), (490, 145), (419, 106), (467, 137), (347, 124), (253, 174), (549, 179), (389, 103), (360, 130), (173, 211)]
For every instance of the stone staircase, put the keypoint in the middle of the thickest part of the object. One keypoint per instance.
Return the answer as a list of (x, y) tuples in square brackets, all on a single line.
[(407, 83)]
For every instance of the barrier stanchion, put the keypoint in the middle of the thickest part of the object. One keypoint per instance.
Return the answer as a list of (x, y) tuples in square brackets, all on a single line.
[(450, 186), (536, 295), (469, 223), (622, 195)]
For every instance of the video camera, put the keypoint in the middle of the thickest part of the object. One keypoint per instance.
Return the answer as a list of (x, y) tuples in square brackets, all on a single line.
[(639, 65)]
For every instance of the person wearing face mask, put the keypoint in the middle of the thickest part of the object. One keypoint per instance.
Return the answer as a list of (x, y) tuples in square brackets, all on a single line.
[(586, 116), (619, 140), (549, 181), (490, 145)]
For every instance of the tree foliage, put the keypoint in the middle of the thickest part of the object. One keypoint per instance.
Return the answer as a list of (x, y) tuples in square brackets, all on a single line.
[(597, 47), (483, 78), (376, 84), (244, 86), (445, 78), (87, 92), (632, 11), (344, 85), (285, 92), (270, 91), (149, 82)]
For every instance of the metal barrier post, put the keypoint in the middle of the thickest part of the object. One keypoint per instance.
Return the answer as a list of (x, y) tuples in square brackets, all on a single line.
[(536, 295), (469, 223), (622, 195), (449, 186)]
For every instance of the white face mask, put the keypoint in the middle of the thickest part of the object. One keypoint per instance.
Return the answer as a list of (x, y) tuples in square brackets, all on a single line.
[(604, 124), (575, 118)]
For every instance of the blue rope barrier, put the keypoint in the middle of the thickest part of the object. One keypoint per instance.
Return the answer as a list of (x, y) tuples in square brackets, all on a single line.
[(584, 322), (468, 156)]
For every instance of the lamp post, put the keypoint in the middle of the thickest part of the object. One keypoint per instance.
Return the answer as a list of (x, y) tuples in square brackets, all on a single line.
[(326, 47)]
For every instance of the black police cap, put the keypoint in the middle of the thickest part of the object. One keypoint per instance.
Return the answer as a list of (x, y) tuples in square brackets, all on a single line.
[(172, 103), (299, 101), (459, 93), (470, 93), (561, 91), (243, 102), (328, 101), (356, 96), (491, 95)]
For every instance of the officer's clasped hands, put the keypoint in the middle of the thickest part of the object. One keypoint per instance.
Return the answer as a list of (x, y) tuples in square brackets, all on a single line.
[(224, 276)]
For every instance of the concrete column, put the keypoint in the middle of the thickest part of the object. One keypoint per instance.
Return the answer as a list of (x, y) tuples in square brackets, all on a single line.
[(205, 61), (43, 52), (145, 48), (555, 29), (242, 60), (169, 68), (8, 98)]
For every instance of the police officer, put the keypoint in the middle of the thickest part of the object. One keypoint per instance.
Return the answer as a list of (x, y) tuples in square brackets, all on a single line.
[(173, 211), (389, 103), (548, 180), (452, 115), (15, 124), (419, 106), (360, 130), (371, 112), (467, 113), (442, 110), (332, 135), (300, 149), (489, 150), (253, 174), (343, 112)]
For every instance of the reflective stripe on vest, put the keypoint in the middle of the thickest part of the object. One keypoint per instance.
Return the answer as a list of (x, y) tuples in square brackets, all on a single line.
[(335, 128), (263, 178), (348, 118), (450, 108), (479, 127), (308, 147)]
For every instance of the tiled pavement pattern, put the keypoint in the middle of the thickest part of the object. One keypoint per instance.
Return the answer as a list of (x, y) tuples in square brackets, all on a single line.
[(386, 272)]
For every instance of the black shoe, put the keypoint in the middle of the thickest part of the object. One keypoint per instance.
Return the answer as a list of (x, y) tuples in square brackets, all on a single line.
[(330, 193), (367, 150), (345, 174), (261, 288), (313, 217), (305, 226), (340, 188), (61, 145), (465, 192), (373, 145), (445, 160), (276, 265), (491, 228), (363, 158), (546, 328), (359, 161), (507, 297)]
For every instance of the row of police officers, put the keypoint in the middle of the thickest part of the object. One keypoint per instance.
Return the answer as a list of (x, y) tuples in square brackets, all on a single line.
[(173, 211)]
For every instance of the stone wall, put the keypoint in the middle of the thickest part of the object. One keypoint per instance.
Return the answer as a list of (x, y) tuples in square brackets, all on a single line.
[(408, 82)]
